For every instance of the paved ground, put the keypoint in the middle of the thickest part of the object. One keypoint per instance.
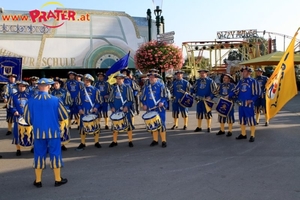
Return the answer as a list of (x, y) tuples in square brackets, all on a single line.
[(193, 166)]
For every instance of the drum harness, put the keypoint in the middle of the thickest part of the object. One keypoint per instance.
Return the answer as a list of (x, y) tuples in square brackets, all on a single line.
[(89, 99), (122, 100), (153, 98)]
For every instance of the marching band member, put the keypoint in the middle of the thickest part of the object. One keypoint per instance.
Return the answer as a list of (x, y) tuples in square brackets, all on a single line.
[(260, 103), (121, 99), (88, 102), (179, 88), (9, 89), (224, 88), (33, 87), (43, 113), (16, 104), (73, 86), (136, 89), (203, 89), (79, 78), (154, 71), (247, 91), (104, 88), (154, 97), (64, 96)]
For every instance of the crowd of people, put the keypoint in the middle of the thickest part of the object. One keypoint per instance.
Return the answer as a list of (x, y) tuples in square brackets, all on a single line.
[(40, 113)]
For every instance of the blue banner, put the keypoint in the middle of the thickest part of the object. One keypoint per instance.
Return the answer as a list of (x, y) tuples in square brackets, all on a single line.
[(8, 66)]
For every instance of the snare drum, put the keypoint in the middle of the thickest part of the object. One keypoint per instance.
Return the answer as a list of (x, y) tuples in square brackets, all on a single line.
[(119, 121), (25, 133), (65, 136), (152, 121), (90, 124)]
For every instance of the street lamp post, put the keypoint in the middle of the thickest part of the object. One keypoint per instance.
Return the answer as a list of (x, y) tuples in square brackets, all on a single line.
[(159, 20), (157, 13), (149, 18)]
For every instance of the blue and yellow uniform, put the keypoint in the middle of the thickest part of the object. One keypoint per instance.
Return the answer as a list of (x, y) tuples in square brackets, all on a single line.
[(204, 89), (158, 91), (16, 104), (120, 97), (67, 101), (104, 87), (64, 96), (260, 103), (247, 91), (135, 107), (73, 86), (43, 113), (88, 102), (223, 90), (179, 87), (9, 89)]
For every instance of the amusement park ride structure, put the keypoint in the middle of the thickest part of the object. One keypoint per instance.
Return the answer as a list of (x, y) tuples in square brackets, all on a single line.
[(212, 55)]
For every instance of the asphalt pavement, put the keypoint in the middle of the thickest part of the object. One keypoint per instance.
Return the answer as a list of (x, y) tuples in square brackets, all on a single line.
[(193, 166)]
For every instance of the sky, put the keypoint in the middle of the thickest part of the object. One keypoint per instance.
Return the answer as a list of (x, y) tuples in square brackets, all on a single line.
[(197, 20)]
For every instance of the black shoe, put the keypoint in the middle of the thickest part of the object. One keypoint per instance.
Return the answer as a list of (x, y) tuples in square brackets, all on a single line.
[(8, 133), (198, 129), (18, 153), (98, 145), (173, 127), (184, 127), (32, 150), (251, 139), (59, 183), (77, 127), (106, 127), (220, 132), (153, 143), (64, 148), (241, 137), (163, 144), (80, 147), (229, 134), (267, 124), (37, 184), (130, 144), (113, 144), (208, 130)]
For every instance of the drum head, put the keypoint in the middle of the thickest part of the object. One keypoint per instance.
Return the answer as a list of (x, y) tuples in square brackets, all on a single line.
[(117, 115), (22, 122), (149, 115), (88, 118)]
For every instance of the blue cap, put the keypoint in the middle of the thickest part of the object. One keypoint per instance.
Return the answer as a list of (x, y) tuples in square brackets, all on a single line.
[(13, 75), (153, 70), (154, 74), (22, 83), (119, 75), (179, 72), (71, 72), (45, 81), (260, 70), (57, 79), (247, 68), (101, 73), (203, 70), (88, 77)]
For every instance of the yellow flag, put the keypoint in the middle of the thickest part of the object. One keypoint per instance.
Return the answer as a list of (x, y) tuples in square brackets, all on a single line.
[(281, 86), (111, 80)]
